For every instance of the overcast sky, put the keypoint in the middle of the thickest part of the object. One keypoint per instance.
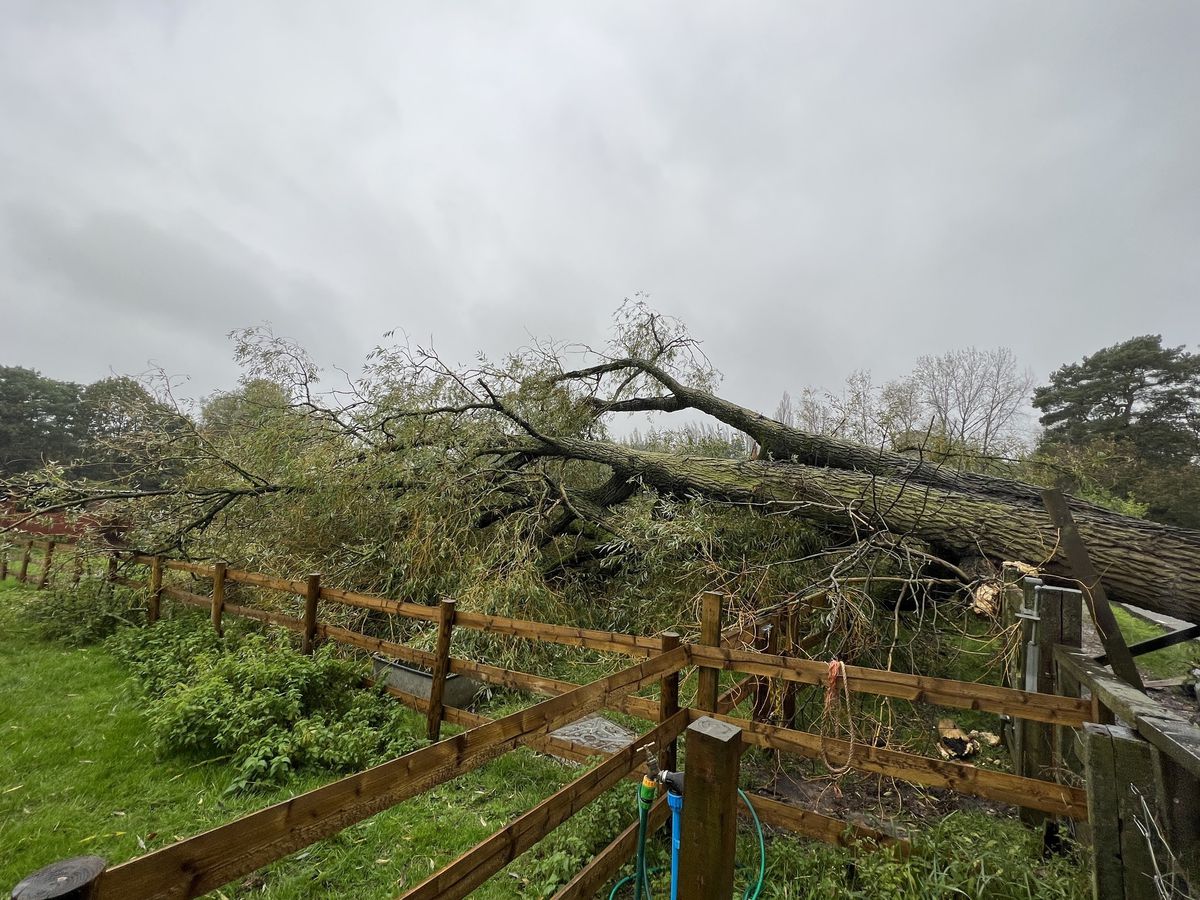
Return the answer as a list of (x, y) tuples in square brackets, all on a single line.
[(814, 188)]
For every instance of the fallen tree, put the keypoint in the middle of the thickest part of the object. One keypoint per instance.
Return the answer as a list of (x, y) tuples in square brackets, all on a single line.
[(519, 456)]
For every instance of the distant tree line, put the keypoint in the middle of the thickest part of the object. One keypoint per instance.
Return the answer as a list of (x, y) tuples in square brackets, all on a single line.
[(78, 427), (1121, 427)]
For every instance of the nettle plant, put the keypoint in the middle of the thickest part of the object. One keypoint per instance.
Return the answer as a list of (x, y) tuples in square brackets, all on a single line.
[(250, 698)]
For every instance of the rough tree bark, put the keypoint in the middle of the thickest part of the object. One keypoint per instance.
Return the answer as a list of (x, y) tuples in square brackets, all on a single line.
[(1145, 563)]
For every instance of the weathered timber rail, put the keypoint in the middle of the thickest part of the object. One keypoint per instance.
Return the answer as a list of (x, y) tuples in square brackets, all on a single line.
[(207, 861)]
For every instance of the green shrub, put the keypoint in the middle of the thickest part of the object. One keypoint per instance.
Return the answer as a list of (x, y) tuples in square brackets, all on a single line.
[(83, 614), (253, 699), (965, 854)]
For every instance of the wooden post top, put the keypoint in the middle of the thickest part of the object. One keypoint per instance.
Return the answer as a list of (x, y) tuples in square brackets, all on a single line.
[(63, 880), (715, 730)]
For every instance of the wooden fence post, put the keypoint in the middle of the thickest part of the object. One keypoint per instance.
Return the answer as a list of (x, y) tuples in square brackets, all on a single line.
[(70, 879), (49, 561), (710, 635), (668, 703), (710, 783), (23, 574), (441, 667), (218, 596), (77, 574), (1119, 773), (154, 607), (312, 593), (4, 563)]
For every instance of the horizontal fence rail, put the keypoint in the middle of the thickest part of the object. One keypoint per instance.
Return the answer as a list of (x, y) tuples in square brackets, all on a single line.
[(207, 861)]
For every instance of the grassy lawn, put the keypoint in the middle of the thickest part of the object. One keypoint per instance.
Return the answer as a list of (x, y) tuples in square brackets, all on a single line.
[(1167, 663), (81, 776)]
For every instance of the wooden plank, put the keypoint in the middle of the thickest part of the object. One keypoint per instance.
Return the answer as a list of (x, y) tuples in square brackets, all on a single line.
[(205, 862), (1089, 579), (806, 823), (409, 655), (312, 594), (917, 688), (182, 565), (474, 867), (254, 579), (965, 779), (1135, 783), (606, 641), (441, 666), (709, 678), (1108, 880), (709, 829), (539, 684), (1171, 734), (261, 615), (187, 597), (602, 869), (136, 584), (380, 604), (668, 702), (542, 743)]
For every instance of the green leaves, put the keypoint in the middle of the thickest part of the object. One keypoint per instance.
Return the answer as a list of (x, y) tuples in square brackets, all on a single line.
[(255, 700)]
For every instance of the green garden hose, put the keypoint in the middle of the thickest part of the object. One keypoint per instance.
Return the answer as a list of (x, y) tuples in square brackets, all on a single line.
[(641, 876)]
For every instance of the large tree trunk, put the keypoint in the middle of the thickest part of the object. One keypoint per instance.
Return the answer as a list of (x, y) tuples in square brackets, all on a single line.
[(1144, 563)]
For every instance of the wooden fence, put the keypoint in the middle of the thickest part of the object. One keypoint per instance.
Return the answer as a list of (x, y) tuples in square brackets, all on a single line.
[(207, 861)]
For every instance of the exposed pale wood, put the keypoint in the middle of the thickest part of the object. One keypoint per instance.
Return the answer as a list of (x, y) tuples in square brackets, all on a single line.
[(604, 866), (200, 864), (709, 833), (254, 579), (1085, 572), (708, 680), (312, 594), (381, 604), (482, 861), (965, 779), (922, 688), (441, 666), (610, 642)]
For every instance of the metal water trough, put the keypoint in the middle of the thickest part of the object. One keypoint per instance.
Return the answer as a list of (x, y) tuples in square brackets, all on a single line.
[(459, 691)]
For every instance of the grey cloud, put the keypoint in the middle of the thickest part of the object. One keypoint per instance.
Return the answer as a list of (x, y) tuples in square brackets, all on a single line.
[(814, 187)]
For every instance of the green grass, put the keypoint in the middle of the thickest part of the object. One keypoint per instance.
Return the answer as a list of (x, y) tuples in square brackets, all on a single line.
[(1166, 663), (82, 776)]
